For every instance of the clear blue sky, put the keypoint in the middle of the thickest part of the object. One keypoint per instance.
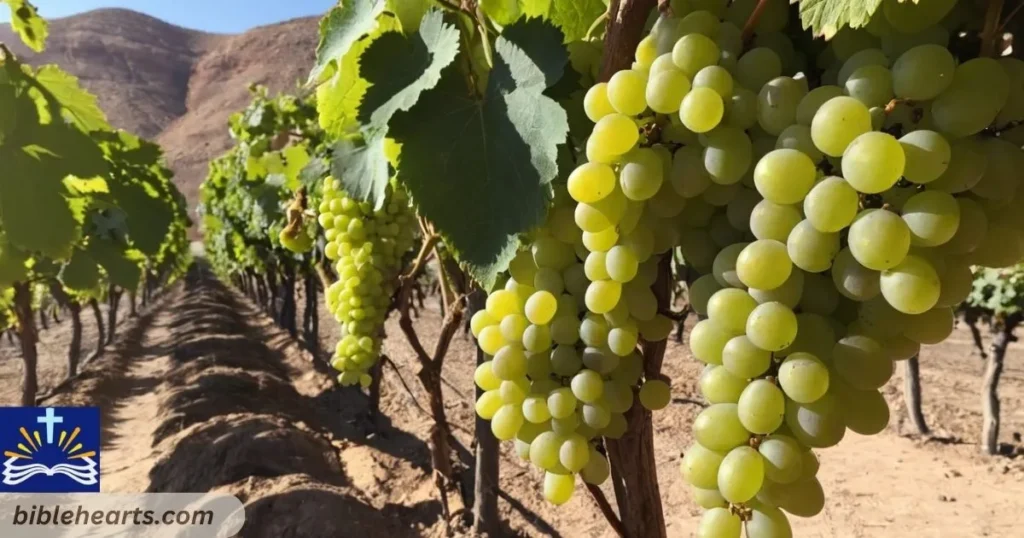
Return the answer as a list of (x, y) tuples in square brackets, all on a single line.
[(222, 16)]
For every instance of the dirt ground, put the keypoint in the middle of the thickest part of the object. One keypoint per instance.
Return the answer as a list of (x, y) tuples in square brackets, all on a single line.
[(203, 392)]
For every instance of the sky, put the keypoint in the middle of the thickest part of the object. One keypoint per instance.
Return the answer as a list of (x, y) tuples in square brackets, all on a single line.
[(220, 16)]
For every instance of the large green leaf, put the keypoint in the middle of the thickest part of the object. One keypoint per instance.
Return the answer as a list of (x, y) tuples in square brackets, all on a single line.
[(399, 69), (479, 168), (80, 107), (27, 23), (33, 211), (574, 17), (121, 270), (826, 17), (80, 273), (340, 28)]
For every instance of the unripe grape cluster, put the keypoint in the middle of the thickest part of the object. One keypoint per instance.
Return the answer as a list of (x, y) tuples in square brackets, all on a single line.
[(366, 246), (835, 226)]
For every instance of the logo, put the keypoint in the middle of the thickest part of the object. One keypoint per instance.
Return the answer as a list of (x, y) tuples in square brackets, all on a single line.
[(50, 450)]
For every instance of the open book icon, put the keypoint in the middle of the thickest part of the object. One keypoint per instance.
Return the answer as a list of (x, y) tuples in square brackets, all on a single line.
[(84, 473)]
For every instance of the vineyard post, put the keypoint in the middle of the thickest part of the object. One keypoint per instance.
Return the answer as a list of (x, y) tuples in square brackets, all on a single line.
[(100, 329), (632, 456), (27, 335), (912, 394), (485, 481), (990, 386)]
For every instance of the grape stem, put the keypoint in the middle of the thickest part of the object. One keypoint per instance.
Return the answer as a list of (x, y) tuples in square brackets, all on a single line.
[(752, 20), (1010, 16), (606, 509), (596, 24), (990, 32)]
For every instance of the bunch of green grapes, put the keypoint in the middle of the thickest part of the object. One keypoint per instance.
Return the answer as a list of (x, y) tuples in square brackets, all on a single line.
[(561, 376), (367, 246), (843, 249)]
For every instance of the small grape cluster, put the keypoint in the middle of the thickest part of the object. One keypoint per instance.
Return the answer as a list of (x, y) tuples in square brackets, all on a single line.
[(367, 246), (563, 374)]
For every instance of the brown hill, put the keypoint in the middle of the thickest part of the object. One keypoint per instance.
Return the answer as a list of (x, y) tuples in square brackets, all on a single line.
[(172, 84)]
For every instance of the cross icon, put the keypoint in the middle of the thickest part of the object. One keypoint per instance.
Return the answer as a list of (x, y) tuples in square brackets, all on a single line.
[(50, 420)]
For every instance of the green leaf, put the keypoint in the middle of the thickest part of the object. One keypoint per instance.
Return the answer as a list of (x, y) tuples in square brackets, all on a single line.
[(409, 13), (574, 17), (479, 169), (80, 273), (295, 160), (826, 17), (121, 270), (33, 212), (27, 23), (399, 69), (313, 172), (340, 28), (80, 107), (503, 12), (542, 42)]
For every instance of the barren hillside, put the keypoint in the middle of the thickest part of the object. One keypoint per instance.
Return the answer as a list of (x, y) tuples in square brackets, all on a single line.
[(174, 84)]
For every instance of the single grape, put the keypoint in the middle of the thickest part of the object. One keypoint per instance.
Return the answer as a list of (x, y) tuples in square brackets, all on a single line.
[(626, 92), (772, 326), (837, 122), (803, 377), (873, 162), (912, 286), (741, 474), (784, 176), (879, 239), (701, 110), (761, 407), (764, 264)]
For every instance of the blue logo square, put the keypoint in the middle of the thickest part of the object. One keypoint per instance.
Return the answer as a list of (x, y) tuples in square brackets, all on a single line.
[(50, 449)]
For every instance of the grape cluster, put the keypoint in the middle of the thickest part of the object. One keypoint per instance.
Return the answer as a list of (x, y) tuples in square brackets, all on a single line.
[(367, 246), (835, 228)]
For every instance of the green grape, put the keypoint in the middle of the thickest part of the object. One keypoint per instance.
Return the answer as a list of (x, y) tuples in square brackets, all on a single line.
[(718, 385), (549, 280), (967, 165), (641, 302), (810, 249), (741, 474), (879, 239), (601, 215), (1013, 111), (480, 320), (777, 103), (718, 195), (700, 293), (708, 498), (707, 340), (719, 523), (955, 284), (913, 18), (666, 203), (689, 178), (912, 287), (758, 66), (718, 428), (550, 252), (789, 293), (724, 266), (767, 521), (603, 295), (930, 327), (490, 339), (541, 307), (932, 217), (590, 182), (655, 394), (509, 363), (506, 422), (764, 264), (488, 404), (729, 308), (596, 416), (662, 64), (514, 392), (626, 92), (761, 407), (623, 340), (561, 403), (880, 318), (783, 458), (522, 267), (772, 221), (784, 176), (728, 155), (558, 488), (865, 57), (999, 183), (813, 100), (597, 470), (864, 411), (871, 85), (694, 52), (574, 453), (615, 133), (816, 335), (621, 263), (873, 162), (701, 110), (665, 91), (575, 280), (587, 386), (596, 104), (979, 90), (831, 205), (599, 361), (596, 266), (852, 279), (537, 338), (772, 326), (698, 249), (743, 359), (837, 122), (741, 109), (927, 155), (484, 377), (715, 77), (798, 137), (741, 209), (862, 362), (535, 409), (818, 424)]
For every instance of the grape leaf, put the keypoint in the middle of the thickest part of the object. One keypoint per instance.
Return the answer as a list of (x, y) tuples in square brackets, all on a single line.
[(33, 212), (409, 13), (121, 270), (826, 17), (340, 28), (398, 69), (27, 23), (80, 107), (574, 17), (479, 168), (80, 273)]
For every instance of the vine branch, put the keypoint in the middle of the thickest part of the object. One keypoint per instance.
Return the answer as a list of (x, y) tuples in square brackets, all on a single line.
[(752, 20), (606, 509), (990, 32), (625, 28)]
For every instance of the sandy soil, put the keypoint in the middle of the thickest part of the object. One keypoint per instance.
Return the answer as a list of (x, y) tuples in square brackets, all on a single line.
[(203, 392)]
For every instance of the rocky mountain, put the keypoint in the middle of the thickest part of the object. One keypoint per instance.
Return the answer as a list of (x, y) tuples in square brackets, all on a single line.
[(172, 84)]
